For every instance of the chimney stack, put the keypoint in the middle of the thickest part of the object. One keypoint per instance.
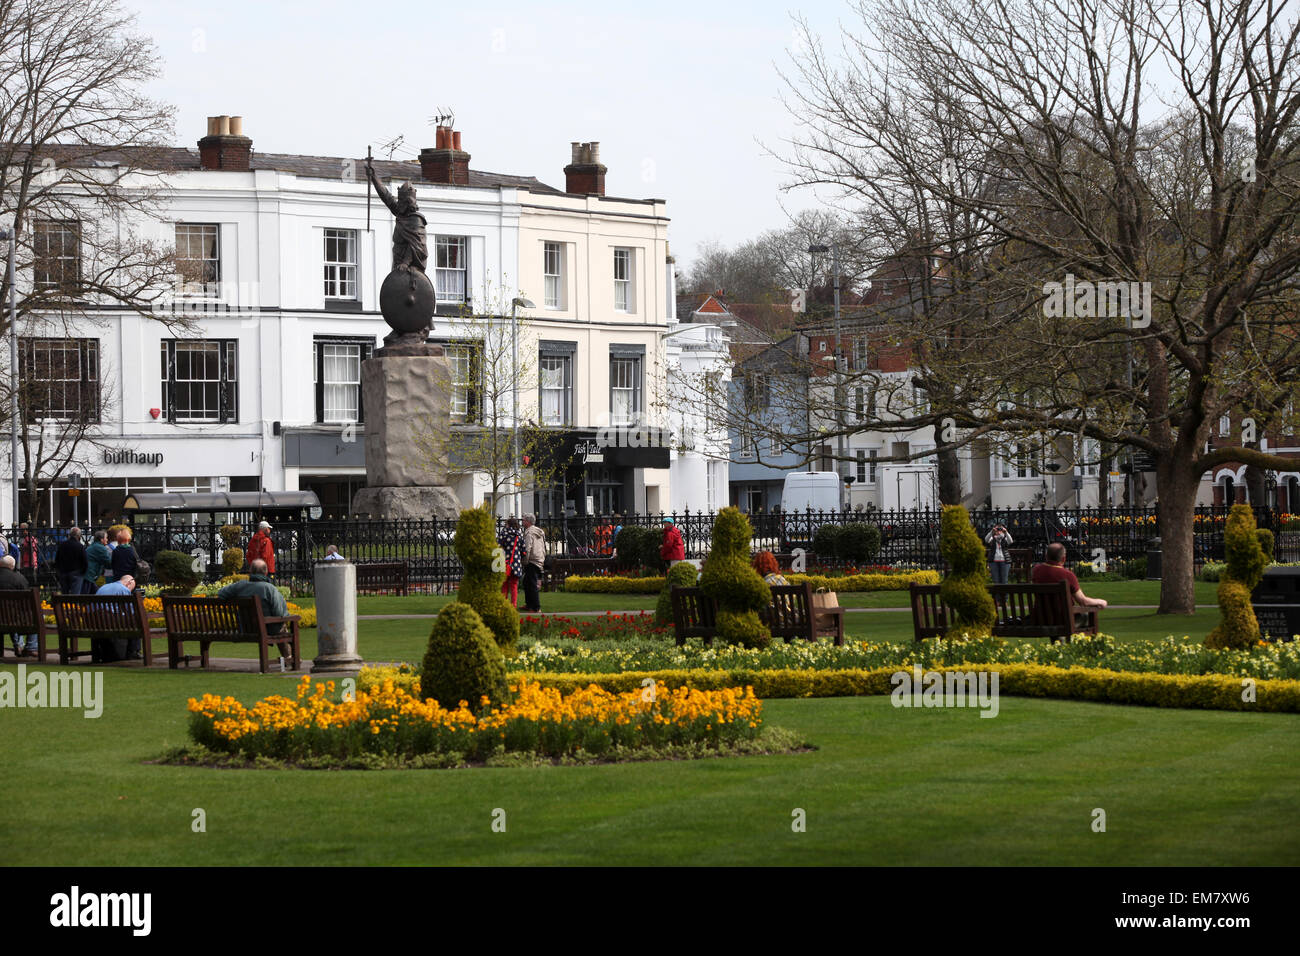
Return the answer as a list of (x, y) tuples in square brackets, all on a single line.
[(585, 175), (225, 146), (446, 162)]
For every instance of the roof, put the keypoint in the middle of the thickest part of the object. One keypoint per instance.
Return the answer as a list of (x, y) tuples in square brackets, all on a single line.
[(182, 159), (220, 501)]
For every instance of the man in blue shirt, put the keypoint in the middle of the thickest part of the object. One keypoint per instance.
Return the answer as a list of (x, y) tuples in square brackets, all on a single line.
[(109, 649)]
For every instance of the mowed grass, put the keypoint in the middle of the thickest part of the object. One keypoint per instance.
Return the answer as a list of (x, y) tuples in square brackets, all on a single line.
[(558, 602), (885, 786)]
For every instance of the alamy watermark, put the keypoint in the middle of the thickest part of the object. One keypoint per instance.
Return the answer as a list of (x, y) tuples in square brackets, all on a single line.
[(79, 690), (946, 689), (76, 909), (1081, 298)]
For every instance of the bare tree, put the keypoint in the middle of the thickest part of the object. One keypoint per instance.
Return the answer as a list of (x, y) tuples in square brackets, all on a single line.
[(1075, 201)]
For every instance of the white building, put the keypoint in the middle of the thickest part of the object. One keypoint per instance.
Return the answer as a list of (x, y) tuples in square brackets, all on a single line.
[(699, 365), (264, 393)]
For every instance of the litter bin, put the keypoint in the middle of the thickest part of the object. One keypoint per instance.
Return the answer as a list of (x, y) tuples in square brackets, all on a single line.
[(1153, 565), (336, 617), (1276, 601)]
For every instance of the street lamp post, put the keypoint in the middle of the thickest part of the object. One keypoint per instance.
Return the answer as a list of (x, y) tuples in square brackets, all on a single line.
[(834, 250), (9, 233), (515, 305)]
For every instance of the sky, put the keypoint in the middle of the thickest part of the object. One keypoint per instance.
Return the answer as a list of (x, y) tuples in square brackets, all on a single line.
[(684, 98)]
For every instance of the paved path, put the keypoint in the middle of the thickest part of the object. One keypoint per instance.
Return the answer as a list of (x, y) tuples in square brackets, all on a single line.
[(851, 610)]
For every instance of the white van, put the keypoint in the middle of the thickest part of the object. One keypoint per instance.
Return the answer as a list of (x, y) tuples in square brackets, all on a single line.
[(818, 491)]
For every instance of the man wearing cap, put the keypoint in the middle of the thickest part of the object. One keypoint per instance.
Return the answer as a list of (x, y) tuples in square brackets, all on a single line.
[(672, 549), (261, 548)]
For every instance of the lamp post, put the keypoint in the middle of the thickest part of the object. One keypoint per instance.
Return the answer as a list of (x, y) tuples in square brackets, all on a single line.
[(515, 305), (834, 250), (7, 232)]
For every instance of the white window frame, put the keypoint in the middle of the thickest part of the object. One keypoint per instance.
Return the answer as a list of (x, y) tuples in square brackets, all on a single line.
[(565, 388), (226, 410), (553, 281), (461, 358), (341, 273), (633, 388), (1225, 426), (62, 267), (445, 244), (209, 287), (351, 352), (624, 293)]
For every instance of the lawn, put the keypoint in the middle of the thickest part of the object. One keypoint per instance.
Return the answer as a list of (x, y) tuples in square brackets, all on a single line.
[(886, 786)]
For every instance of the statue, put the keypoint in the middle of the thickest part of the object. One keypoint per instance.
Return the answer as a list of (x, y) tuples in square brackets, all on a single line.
[(406, 298)]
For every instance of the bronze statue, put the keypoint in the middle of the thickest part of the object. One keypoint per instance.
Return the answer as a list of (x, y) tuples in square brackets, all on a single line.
[(410, 249)]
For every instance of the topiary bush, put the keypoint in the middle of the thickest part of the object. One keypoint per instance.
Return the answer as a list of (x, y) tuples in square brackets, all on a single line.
[(826, 542), (964, 588), (231, 534), (731, 580), (462, 661), (684, 575), (232, 560), (638, 547), (480, 585), (1247, 551), (858, 542), (175, 571)]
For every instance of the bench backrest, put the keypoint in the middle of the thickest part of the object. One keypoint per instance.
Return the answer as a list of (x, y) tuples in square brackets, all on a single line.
[(1033, 610), (929, 616), (694, 614), (20, 612), (220, 618), (790, 613), (384, 574), (100, 615)]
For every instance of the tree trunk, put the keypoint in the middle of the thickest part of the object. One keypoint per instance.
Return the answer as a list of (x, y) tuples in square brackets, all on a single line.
[(1177, 506), (949, 473)]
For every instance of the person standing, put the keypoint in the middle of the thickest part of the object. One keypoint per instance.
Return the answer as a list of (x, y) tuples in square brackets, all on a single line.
[(70, 563), (11, 580), (534, 561), (30, 554), (124, 557), (512, 548), (672, 549), (999, 540), (262, 548), (99, 562)]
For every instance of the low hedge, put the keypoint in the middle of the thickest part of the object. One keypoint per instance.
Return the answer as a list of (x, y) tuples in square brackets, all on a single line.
[(1208, 692), (866, 582), (612, 584)]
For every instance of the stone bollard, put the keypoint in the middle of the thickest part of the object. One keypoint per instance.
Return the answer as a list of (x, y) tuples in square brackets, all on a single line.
[(336, 617)]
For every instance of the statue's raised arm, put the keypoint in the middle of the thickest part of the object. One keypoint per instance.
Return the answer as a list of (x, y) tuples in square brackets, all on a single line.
[(410, 249), (384, 194)]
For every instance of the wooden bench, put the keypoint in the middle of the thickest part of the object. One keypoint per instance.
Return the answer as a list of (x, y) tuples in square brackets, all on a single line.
[(558, 569), (789, 616), (21, 615), (112, 617), (211, 620), (384, 576), (1023, 610)]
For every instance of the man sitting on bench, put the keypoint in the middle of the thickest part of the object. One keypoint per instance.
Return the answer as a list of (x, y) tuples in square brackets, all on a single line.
[(1055, 570), (259, 586)]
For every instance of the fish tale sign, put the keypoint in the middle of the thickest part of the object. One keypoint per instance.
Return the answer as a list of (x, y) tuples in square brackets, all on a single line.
[(1276, 602)]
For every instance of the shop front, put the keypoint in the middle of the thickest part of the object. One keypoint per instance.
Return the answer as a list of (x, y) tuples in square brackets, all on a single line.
[(597, 472)]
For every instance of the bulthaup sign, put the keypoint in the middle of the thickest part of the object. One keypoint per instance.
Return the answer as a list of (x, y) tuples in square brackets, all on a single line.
[(129, 457)]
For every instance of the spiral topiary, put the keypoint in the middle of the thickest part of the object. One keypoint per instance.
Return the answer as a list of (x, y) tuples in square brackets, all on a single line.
[(462, 661), (1247, 551), (684, 575), (232, 559), (730, 580), (480, 585), (964, 588), (231, 534)]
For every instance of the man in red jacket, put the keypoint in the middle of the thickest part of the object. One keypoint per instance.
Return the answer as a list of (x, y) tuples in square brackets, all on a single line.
[(672, 549), (261, 548)]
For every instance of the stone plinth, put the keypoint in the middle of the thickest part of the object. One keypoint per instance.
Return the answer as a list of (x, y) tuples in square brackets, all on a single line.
[(407, 419), (424, 501)]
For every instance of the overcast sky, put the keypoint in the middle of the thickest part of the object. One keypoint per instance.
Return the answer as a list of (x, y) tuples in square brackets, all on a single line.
[(680, 95)]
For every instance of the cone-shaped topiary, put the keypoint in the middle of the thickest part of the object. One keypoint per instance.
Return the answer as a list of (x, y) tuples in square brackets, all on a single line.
[(462, 661), (1247, 551), (175, 571), (684, 575), (964, 588), (480, 585), (730, 580)]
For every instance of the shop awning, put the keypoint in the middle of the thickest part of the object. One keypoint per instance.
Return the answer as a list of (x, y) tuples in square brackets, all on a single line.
[(259, 501)]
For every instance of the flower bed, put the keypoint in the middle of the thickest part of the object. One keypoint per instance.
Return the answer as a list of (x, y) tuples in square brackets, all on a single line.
[(894, 581), (613, 584), (1211, 691), (610, 626), (1169, 655), (391, 718)]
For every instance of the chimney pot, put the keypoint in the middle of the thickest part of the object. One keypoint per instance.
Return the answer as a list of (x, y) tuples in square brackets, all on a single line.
[(225, 147), (595, 152), (585, 176), (236, 126), (455, 139), (440, 138), (576, 156), (223, 125), (212, 126)]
